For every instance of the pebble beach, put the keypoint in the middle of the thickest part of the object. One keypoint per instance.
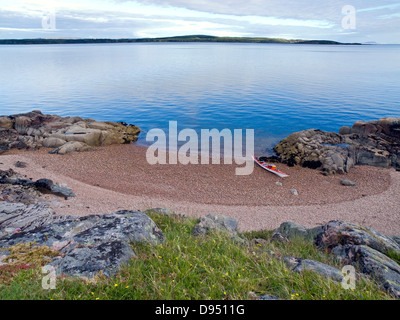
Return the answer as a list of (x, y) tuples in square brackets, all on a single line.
[(117, 177)]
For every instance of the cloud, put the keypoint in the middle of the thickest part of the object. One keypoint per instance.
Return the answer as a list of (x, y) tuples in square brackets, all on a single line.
[(307, 19)]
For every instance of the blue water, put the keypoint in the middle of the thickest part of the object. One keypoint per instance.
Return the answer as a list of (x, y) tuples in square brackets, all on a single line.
[(271, 88)]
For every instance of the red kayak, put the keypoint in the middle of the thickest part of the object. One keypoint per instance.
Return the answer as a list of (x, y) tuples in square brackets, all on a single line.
[(270, 167)]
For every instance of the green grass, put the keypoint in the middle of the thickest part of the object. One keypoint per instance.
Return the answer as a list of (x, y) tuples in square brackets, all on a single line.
[(213, 267)]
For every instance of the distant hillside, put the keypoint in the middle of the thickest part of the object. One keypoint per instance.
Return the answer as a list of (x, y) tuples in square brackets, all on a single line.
[(191, 38)]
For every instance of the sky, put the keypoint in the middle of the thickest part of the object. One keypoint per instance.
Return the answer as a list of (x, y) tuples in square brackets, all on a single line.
[(344, 21)]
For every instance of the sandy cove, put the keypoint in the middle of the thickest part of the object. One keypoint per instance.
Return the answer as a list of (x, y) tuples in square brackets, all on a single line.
[(118, 177)]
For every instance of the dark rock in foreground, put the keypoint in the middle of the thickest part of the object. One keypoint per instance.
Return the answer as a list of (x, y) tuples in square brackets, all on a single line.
[(374, 143), (86, 245), (43, 185), (371, 252)]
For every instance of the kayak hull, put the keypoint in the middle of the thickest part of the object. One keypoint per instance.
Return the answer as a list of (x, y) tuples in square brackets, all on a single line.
[(265, 166)]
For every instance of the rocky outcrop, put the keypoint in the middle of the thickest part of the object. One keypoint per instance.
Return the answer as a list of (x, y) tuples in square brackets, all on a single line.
[(82, 246), (86, 245), (34, 130), (373, 253), (375, 143), (10, 177)]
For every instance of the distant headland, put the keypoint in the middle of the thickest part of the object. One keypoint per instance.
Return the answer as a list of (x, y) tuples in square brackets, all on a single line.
[(189, 38)]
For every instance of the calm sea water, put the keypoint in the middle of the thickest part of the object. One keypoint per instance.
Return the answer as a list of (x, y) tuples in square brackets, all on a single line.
[(271, 88)]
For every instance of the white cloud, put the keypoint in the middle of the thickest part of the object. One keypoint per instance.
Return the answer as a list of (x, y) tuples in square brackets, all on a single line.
[(308, 19)]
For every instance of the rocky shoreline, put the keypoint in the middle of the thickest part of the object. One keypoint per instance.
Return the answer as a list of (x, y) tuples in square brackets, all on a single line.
[(373, 143), (34, 130)]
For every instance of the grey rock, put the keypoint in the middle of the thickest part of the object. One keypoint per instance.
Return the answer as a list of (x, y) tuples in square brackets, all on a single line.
[(340, 233), (87, 244), (366, 249), (278, 237), (107, 258), (213, 222), (62, 191), (42, 185), (348, 183), (165, 211), (292, 230), (294, 192), (21, 164), (267, 297), (52, 142), (254, 296), (396, 239), (71, 146), (299, 265), (372, 263), (25, 217)]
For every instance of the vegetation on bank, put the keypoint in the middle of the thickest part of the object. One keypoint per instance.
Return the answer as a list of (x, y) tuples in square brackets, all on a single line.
[(191, 38), (212, 266)]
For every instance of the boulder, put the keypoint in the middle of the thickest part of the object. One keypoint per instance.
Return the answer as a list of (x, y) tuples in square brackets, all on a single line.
[(299, 265), (71, 146), (292, 230), (6, 122), (52, 142), (340, 233), (213, 222), (348, 183)]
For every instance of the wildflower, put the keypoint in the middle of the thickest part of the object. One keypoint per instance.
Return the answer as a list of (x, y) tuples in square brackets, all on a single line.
[(116, 285), (92, 293), (126, 287)]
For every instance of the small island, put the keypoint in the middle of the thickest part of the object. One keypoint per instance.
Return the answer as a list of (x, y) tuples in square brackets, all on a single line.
[(189, 38)]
